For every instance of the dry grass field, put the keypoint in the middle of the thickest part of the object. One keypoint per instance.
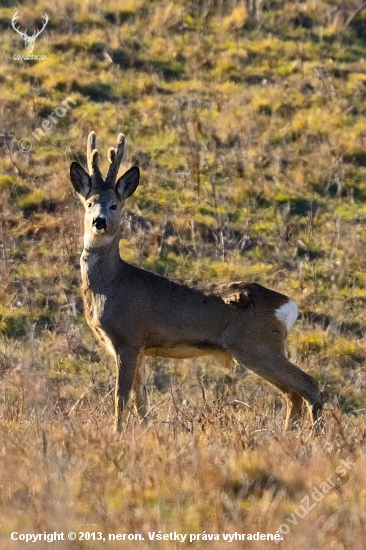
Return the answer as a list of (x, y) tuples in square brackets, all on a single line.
[(247, 120)]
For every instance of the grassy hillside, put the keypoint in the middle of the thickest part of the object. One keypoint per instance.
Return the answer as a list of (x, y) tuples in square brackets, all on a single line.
[(247, 120)]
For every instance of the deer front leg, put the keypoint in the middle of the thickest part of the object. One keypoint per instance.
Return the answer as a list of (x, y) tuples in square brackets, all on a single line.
[(126, 365), (140, 389)]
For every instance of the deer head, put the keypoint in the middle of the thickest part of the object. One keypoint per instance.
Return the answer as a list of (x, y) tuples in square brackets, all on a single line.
[(103, 199), (29, 40)]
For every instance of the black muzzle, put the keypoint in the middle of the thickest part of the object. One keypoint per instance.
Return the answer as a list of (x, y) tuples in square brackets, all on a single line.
[(100, 223)]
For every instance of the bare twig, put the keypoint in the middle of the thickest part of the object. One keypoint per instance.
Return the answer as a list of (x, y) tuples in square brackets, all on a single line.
[(163, 401), (354, 14), (7, 141), (95, 408)]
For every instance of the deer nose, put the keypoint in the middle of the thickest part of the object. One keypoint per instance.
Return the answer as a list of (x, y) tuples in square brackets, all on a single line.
[(100, 222)]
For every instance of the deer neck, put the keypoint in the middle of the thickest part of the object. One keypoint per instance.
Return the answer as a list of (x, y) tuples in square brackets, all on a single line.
[(100, 265)]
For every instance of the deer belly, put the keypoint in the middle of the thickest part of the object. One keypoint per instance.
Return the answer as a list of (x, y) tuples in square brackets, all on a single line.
[(182, 351)]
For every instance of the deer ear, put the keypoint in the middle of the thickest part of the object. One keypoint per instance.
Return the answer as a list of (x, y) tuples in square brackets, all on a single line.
[(80, 180), (127, 184)]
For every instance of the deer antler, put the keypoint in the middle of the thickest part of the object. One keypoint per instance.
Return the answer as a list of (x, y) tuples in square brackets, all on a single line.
[(115, 157), (37, 33), (17, 29), (92, 157), (29, 40)]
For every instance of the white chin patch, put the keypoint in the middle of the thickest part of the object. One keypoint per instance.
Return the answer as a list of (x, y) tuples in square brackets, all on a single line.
[(98, 231), (287, 314)]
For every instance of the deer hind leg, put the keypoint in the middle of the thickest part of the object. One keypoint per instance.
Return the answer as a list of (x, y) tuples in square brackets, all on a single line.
[(294, 403), (140, 388), (291, 380), (126, 363)]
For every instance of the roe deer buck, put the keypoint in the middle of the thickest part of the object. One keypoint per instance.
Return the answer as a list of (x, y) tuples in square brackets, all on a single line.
[(136, 313)]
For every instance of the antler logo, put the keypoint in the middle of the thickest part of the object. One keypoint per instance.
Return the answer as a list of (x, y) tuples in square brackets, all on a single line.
[(29, 40)]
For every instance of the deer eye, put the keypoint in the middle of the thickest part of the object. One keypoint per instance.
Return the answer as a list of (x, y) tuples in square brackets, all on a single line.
[(89, 205), (113, 207)]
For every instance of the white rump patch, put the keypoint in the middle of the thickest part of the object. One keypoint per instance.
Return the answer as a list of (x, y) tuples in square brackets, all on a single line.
[(287, 313)]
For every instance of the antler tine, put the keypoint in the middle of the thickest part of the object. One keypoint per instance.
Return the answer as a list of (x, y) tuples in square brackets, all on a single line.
[(37, 33), (17, 28), (90, 146), (92, 156), (95, 171), (115, 157)]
